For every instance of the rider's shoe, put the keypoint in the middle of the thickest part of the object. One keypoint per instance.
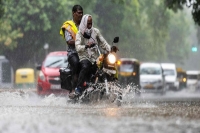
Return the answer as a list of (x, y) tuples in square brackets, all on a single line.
[(78, 91), (73, 95)]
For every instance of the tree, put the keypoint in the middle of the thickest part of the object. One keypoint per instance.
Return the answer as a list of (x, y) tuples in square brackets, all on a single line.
[(155, 23), (175, 5), (8, 36), (141, 25), (178, 44), (32, 24), (1, 8), (108, 14), (36, 22)]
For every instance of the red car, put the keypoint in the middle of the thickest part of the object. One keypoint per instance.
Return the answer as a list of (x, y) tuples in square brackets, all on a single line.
[(48, 81)]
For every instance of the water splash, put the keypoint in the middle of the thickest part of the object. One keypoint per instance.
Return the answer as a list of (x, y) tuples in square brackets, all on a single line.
[(23, 98)]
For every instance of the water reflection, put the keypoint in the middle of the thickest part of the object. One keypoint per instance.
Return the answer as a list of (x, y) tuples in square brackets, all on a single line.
[(112, 112)]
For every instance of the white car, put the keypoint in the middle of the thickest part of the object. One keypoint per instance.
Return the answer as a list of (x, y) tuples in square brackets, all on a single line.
[(152, 78), (193, 79), (170, 76)]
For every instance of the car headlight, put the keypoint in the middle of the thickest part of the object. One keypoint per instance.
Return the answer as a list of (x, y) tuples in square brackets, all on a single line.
[(111, 58), (41, 75)]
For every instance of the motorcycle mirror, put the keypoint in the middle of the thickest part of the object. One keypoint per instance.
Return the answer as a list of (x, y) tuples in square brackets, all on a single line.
[(116, 39)]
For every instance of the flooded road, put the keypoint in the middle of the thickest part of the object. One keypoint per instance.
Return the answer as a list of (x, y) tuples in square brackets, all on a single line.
[(28, 113)]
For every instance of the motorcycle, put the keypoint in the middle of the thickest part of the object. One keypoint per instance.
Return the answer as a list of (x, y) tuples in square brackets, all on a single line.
[(102, 83)]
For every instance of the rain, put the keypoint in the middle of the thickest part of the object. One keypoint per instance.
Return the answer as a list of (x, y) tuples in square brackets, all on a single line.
[(149, 32)]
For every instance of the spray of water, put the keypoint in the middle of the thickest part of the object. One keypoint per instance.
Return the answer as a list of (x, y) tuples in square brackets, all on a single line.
[(131, 95)]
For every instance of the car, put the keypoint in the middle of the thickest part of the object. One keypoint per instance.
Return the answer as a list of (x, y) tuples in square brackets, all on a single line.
[(193, 79), (170, 73), (48, 80), (152, 78)]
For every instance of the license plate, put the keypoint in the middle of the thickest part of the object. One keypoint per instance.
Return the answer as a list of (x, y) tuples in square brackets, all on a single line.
[(55, 87)]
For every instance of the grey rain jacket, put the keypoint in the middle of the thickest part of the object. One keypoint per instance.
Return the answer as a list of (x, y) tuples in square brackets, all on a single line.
[(90, 53)]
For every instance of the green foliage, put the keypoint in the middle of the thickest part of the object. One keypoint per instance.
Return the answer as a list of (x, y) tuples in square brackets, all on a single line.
[(158, 21), (39, 23), (109, 16), (7, 35), (178, 48), (175, 5), (134, 39), (141, 25), (1, 8), (118, 19)]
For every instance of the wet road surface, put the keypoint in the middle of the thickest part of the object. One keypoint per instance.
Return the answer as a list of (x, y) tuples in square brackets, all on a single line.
[(26, 112)]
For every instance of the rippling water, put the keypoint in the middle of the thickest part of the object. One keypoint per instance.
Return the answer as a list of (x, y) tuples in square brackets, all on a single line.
[(28, 113)]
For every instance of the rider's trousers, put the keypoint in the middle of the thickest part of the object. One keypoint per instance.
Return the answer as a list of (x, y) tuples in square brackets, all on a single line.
[(84, 72), (73, 60)]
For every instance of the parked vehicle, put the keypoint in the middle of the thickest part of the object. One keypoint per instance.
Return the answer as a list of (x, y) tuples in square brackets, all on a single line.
[(182, 78), (152, 78), (49, 77), (102, 83), (6, 74), (170, 76), (25, 78), (193, 79)]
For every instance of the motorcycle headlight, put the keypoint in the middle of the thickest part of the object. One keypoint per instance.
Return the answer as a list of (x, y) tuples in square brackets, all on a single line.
[(111, 58)]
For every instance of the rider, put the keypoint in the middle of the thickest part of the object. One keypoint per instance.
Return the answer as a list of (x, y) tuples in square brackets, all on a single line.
[(68, 31), (86, 39)]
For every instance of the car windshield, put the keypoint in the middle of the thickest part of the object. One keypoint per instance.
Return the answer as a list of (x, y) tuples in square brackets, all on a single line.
[(192, 76), (126, 66), (150, 71), (56, 61), (169, 72)]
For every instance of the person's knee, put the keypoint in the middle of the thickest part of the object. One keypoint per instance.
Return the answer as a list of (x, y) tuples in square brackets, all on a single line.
[(76, 63), (85, 66)]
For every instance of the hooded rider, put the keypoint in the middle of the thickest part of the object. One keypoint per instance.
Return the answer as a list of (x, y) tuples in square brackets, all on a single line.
[(68, 31), (86, 39)]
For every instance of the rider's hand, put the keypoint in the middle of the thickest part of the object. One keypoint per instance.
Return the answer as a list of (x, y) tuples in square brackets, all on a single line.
[(114, 49), (92, 45)]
